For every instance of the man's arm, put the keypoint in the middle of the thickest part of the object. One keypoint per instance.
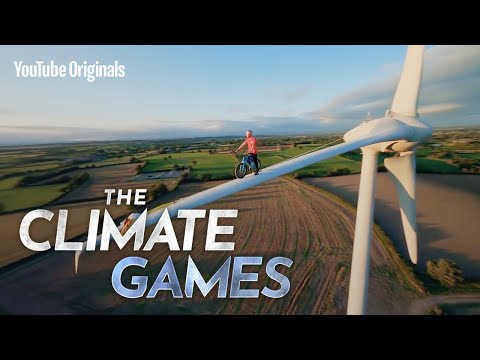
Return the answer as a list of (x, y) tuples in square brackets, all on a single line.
[(241, 146)]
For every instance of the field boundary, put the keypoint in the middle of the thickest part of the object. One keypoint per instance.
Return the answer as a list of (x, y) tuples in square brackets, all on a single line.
[(406, 273)]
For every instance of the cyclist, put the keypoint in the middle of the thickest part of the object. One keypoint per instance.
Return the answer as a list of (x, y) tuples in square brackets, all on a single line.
[(251, 142)]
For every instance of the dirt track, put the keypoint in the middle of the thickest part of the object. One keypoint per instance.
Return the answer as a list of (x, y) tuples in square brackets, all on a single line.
[(279, 218)]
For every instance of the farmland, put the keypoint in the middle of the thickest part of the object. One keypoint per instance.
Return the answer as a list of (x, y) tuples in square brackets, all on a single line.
[(452, 151), (18, 198), (117, 176), (447, 209), (79, 214), (296, 226), (213, 165)]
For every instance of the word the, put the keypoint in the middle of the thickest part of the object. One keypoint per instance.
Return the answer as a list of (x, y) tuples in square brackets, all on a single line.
[(139, 196)]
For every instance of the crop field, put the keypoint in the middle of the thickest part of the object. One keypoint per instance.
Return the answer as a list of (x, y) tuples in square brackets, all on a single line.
[(46, 165), (9, 183), (425, 165), (20, 198), (108, 177), (12, 248), (221, 166), (202, 163), (107, 162), (313, 228), (447, 215)]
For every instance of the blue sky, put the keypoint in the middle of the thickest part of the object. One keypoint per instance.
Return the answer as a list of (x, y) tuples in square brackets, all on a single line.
[(172, 91)]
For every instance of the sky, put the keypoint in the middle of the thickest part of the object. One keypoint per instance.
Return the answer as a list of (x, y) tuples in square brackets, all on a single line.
[(188, 91)]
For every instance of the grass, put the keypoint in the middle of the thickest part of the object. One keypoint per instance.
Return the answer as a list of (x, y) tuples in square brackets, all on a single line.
[(461, 309), (468, 156), (425, 165), (9, 183), (47, 165), (214, 165), (21, 198), (220, 166), (322, 168), (111, 161)]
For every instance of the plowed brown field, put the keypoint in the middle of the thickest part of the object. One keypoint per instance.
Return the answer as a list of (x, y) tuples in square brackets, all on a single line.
[(284, 217)]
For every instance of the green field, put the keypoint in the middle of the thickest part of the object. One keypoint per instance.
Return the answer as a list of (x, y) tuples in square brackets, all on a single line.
[(469, 156), (324, 167), (214, 165), (47, 165), (21, 198), (320, 169), (110, 161), (218, 166), (425, 165), (9, 183)]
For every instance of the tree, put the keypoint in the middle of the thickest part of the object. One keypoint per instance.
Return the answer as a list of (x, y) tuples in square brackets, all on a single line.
[(445, 272), (337, 172), (381, 168), (203, 177), (157, 191)]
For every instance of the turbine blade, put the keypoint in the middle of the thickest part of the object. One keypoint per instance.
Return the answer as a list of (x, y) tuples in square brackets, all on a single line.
[(406, 96), (403, 173), (77, 258), (229, 188)]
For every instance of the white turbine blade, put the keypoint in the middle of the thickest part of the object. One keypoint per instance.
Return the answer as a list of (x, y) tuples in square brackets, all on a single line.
[(358, 288), (406, 96), (402, 171), (393, 132), (77, 258)]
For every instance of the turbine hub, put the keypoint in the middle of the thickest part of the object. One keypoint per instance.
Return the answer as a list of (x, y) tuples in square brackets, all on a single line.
[(406, 133)]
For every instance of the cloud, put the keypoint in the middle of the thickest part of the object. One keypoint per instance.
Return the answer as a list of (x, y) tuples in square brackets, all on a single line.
[(438, 108), (449, 94), (296, 94), (261, 125)]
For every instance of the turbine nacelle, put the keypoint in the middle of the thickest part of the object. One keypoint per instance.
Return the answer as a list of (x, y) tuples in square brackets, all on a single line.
[(406, 132)]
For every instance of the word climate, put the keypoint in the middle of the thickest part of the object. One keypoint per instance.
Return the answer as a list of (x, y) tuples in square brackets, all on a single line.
[(231, 271)]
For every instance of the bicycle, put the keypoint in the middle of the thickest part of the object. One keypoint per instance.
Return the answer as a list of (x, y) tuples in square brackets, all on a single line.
[(246, 165)]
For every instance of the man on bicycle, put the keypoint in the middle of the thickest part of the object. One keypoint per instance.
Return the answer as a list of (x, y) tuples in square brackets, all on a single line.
[(251, 142)]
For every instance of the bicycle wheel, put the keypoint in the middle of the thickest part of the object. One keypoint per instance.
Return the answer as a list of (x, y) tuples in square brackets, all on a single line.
[(259, 164), (240, 171)]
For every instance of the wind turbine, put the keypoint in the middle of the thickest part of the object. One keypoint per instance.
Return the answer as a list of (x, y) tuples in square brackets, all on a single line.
[(398, 132)]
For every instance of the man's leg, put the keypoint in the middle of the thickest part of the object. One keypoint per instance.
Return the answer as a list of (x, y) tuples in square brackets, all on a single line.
[(254, 156)]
